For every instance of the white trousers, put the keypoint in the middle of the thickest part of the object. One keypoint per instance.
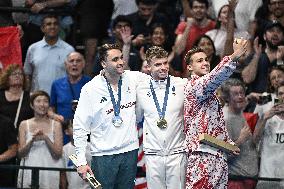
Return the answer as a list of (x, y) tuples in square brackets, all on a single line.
[(165, 172)]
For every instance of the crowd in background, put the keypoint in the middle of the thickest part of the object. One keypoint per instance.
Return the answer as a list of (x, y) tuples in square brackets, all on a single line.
[(41, 86)]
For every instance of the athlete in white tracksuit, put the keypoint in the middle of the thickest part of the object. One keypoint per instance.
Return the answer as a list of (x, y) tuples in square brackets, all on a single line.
[(164, 148)]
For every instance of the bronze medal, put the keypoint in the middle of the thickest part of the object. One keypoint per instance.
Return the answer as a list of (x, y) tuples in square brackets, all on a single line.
[(162, 123)]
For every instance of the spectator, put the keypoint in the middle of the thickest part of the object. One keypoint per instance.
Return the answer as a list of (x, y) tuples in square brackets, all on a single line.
[(270, 131), (143, 20), (195, 26), (14, 99), (219, 34), (158, 37), (246, 164), (206, 44), (95, 17), (245, 12), (33, 29), (8, 151), (40, 144), (71, 180), (276, 77), (45, 59), (269, 11), (258, 64), (65, 91), (122, 35)]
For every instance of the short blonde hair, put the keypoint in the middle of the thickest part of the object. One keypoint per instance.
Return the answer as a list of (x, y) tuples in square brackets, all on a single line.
[(155, 52)]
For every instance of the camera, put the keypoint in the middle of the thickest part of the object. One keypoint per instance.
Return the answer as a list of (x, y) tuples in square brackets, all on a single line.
[(74, 104), (264, 99)]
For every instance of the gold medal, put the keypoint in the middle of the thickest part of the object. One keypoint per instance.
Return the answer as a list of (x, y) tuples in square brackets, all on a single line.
[(162, 123)]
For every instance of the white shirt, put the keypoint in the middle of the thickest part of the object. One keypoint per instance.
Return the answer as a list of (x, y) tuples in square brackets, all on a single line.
[(159, 141), (94, 114), (272, 149)]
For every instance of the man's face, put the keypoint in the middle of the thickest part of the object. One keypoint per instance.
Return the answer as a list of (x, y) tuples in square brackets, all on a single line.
[(276, 7), (237, 98), (159, 68), (50, 27), (199, 64), (274, 36), (75, 64), (118, 28), (199, 10), (145, 11), (114, 64)]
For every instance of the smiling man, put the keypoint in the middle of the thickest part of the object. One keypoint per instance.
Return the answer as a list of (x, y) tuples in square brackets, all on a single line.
[(160, 103), (246, 164), (206, 165), (106, 109)]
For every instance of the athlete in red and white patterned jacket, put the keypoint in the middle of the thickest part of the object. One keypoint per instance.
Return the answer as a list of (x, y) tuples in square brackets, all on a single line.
[(207, 166)]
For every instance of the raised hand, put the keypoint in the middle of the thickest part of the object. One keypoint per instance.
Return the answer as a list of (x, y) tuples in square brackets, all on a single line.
[(126, 36), (240, 48), (256, 46), (37, 7)]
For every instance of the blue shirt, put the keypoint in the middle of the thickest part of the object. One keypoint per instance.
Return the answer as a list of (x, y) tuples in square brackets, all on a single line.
[(62, 95)]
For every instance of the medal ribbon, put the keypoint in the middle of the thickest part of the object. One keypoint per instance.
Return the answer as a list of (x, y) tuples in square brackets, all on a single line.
[(116, 105), (163, 111)]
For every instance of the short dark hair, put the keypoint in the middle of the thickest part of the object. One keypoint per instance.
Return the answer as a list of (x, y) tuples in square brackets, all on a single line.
[(227, 85), (159, 25), (121, 18), (146, 2), (38, 93), (155, 52), (102, 51), (187, 57), (200, 1), (49, 16)]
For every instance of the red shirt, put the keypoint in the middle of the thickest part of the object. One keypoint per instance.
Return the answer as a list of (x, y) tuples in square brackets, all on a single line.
[(194, 33)]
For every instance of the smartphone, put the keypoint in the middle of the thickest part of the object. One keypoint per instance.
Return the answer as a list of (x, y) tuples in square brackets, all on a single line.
[(264, 99)]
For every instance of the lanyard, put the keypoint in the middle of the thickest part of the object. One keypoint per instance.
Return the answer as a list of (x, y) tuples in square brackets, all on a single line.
[(116, 105), (163, 111)]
